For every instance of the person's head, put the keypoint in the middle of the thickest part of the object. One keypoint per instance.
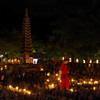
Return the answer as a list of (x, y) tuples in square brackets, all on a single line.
[(65, 61)]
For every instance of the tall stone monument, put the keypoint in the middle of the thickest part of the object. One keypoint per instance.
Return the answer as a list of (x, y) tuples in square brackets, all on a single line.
[(26, 41)]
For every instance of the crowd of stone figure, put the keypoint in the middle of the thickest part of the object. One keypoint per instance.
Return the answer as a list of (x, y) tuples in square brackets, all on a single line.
[(34, 81)]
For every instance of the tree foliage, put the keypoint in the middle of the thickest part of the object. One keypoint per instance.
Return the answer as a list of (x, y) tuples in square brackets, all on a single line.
[(10, 43), (77, 36)]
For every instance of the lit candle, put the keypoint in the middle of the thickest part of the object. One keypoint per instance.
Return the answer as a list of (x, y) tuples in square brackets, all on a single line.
[(97, 61), (72, 80), (91, 79), (1, 68), (47, 80), (84, 82), (9, 60), (24, 90), (12, 60), (84, 61), (20, 90), (17, 88), (15, 60), (95, 82), (41, 69), (90, 61), (78, 83), (58, 79), (18, 61), (94, 88), (57, 74), (77, 60), (10, 86), (48, 74), (71, 90), (89, 82), (70, 59), (29, 92), (5, 66), (52, 85), (63, 58), (4, 60)]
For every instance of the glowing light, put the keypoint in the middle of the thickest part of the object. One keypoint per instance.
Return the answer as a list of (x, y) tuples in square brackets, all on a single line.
[(18, 61), (70, 59), (57, 74), (2, 77), (5, 66), (71, 90), (48, 74), (24, 90), (79, 83), (1, 68), (10, 86), (17, 88), (35, 61), (47, 80), (63, 58), (94, 88), (12, 60), (91, 79), (9, 60), (97, 61), (84, 82), (1, 56), (58, 78), (89, 82), (4, 59), (89, 65), (41, 69), (75, 90), (95, 82), (20, 90), (29, 92), (52, 85), (23, 73), (77, 60), (72, 80), (90, 61), (84, 61), (15, 60)]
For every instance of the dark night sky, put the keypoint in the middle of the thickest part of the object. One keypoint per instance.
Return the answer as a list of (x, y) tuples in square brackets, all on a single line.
[(40, 13), (43, 12)]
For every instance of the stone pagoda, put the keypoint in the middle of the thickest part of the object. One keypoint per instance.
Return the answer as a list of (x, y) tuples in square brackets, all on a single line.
[(26, 41)]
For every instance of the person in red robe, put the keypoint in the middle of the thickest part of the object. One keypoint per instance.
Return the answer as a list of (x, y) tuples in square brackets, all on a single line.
[(63, 75)]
